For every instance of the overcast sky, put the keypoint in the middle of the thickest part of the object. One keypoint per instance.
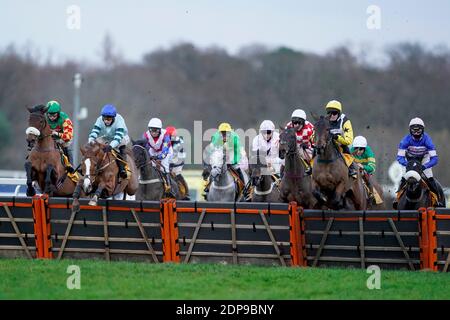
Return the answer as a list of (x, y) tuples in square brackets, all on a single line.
[(139, 26)]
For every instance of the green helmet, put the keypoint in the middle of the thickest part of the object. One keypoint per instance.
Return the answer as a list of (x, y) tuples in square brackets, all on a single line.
[(53, 107)]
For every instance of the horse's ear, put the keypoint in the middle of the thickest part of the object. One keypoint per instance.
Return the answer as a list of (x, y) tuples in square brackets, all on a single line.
[(44, 110), (281, 128), (30, 110), (315, 116)]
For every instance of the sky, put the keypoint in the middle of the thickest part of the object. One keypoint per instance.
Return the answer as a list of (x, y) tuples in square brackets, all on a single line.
[(141, 26)]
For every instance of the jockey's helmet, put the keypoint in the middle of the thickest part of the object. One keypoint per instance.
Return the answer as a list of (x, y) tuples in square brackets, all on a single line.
[(109, 111), (53, 107), (155, 123), (333, 107), (225, 127), (171, 131), (416, 127), (267, 125), (359, 142), (298, 114)]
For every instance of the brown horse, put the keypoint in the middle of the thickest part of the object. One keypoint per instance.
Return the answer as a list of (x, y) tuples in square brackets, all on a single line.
[(295, 185), (331, 183), (101, 175), (44, 163)]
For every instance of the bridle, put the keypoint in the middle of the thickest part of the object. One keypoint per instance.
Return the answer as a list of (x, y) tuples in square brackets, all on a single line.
[(99, 167), (153, 163), (43, 124)]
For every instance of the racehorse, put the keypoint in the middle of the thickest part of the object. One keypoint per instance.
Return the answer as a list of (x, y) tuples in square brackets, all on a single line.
[(223, 186), (100, 174), (416, 193), (332, 185), (295, 184), (151, 181), (264, 188), (45, 164)]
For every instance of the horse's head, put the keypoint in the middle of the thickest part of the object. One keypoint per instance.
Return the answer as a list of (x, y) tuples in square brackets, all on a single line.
[(413, 175), (322, 134), (37, 124), (93, 157), (217, 162), (288, 142), (140, 153), (255, 167)]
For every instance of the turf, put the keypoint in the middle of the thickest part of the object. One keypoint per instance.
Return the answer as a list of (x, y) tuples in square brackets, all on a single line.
[(45, 279)]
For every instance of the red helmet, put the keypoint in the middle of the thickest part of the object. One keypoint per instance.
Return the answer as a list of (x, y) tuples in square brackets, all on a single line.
[(171, 131)]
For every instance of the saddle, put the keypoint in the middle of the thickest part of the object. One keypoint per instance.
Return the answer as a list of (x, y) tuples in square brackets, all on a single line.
[(75, 177), (118, 158)]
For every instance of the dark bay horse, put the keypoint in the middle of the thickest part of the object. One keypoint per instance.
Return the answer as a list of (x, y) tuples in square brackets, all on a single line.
[(295, 185), (416, 193), (101, 175), (151, 180), (44, 163), (331, 183), (264, 188)]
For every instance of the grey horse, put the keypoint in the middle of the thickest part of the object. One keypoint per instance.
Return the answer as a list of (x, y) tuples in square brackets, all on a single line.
[(223, 186), (264, 185), (151, 185)]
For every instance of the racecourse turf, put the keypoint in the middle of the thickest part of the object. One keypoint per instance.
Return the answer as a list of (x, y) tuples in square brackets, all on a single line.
[(46, 279)]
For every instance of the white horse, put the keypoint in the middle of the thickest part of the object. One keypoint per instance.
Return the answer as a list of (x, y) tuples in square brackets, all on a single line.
[(223, 186)]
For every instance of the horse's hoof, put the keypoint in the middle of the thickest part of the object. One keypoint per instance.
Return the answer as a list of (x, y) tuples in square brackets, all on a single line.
[(76, 207), (92, 203), (31, 192)]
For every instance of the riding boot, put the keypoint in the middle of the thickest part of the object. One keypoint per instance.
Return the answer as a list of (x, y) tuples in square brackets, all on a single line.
[(435, 189), (241, 175), (168, 186), (120, 162), (400, 188), (181, 179), (68, 153), (308, 169), (353, 170)]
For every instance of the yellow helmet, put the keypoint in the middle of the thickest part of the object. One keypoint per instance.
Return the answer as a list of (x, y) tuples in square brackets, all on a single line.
[(225, 127), (334, 104)]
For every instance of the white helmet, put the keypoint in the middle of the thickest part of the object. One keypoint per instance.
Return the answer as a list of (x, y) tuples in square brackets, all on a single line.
[(267, 125), (299, 113), (155, 123), (417, 121), (359, 142)]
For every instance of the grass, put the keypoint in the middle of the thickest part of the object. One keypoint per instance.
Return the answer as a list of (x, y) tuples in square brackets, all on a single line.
[(46, 279)]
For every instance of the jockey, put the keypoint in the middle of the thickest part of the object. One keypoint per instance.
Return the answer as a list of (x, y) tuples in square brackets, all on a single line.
[(417, 144), (267, 142), (365, 159), (226, 138), (159, 147), (305, 135), (342, 131), (62, 129), (111, 127), (179, 155)]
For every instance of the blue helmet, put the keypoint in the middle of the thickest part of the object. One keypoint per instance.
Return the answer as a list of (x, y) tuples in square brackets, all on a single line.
[(109, 111)]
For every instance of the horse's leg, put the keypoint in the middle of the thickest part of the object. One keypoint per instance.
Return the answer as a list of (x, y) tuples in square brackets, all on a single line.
[(97, 194), (76, 196), (48, 180), (30, 189), (338, 199)]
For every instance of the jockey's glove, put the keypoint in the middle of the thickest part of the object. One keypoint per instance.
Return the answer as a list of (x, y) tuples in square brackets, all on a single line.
[(107, 149), (424, 168)]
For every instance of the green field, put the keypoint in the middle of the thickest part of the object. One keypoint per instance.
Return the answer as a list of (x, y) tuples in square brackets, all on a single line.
[(44, 279)]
